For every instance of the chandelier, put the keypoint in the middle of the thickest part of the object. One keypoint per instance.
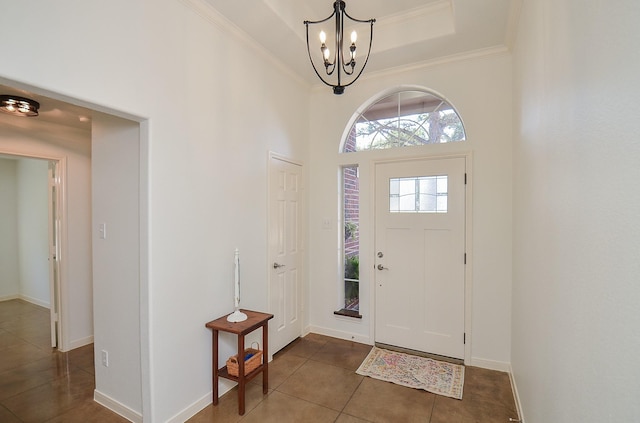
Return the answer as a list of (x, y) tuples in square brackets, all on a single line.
[(340, 63)]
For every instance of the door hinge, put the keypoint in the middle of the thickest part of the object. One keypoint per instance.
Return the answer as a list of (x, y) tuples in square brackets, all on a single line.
[(465, 179), (465, 258), (464, 338)]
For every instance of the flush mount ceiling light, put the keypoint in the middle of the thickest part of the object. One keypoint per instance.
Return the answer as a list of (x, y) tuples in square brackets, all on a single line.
[(341, 67), (18, 106)]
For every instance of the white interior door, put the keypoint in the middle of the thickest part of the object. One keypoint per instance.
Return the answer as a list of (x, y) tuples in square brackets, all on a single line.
[(285, 252), (420, 255)]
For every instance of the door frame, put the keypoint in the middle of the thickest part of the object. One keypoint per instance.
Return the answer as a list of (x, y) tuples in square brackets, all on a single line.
[(468, 237), (301, 234), (57, 296)]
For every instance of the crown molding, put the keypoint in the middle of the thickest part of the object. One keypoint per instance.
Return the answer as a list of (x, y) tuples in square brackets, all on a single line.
[(210, 14), (440, 61)]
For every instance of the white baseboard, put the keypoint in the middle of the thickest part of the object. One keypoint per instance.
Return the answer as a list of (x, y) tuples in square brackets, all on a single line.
[(500, 366), (80, 342), (9, 297), (192, 410), (116, 407), (35, 301), (348, 336), (199, 405), (516, 396)]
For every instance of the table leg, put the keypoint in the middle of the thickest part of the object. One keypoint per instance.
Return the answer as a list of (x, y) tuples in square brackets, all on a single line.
[(214, 366), (265, 358), (241, 378)]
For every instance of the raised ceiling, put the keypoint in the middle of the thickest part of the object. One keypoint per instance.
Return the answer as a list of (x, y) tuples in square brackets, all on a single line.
[(407, 32)]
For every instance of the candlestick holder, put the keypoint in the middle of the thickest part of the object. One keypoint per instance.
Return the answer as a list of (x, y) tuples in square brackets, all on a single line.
[(237, 316)]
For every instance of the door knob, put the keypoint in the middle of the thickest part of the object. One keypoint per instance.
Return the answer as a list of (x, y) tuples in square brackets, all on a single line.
[(278, 265), (381, 267)]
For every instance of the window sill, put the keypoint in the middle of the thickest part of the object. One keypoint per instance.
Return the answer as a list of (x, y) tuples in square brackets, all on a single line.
[(348, 313)]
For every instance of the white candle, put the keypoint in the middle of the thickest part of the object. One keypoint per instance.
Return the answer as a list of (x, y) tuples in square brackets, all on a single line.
[(237, 278)]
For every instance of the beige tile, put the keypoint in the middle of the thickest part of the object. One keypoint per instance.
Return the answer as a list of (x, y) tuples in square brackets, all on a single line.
[(30, 375), (52, 399), (378, 401), (7, 416), (282, 408), (19, 355), (89, 412), (322, 384), (489, 386), (280, 368), (8, 340), (447, 410), (345, 354), (12, 309), (345, 418), (82, 357), (307, 346), (227, 409)]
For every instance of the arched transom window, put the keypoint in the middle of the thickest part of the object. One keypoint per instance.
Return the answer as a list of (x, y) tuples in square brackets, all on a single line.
[(405, 119)]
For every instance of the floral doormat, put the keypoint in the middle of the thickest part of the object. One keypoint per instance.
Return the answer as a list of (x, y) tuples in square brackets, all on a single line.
[(434, 376)]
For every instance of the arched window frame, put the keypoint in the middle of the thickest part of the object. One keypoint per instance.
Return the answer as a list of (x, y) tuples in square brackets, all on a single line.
[(349, 138)]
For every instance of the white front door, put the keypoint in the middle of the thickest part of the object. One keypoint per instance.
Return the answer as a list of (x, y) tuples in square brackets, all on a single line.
[(420, 255), (285, 252)]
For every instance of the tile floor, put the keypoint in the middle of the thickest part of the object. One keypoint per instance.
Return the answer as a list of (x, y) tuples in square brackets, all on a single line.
[(312, 380), (37, 383)]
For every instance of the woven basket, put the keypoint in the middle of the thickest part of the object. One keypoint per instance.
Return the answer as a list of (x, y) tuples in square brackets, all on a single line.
[(250, 364)]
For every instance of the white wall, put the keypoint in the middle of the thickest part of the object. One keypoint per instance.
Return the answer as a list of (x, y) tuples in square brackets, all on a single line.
[(10, 271), (480, 89), (73, 147), (576, 201), (116, 258), (33, 230), (215, 107)]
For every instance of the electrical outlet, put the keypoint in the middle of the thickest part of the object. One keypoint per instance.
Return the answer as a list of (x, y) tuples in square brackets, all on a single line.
[(105, 358)]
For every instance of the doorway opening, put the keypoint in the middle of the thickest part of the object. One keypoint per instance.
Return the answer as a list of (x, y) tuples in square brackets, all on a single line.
[(31, 220)]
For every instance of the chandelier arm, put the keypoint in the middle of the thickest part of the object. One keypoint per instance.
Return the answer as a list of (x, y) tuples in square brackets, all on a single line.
[(307, 22), (311, 60), (372, 21)]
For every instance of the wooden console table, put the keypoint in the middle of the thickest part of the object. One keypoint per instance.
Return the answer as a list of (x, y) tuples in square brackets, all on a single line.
[(254, 321)]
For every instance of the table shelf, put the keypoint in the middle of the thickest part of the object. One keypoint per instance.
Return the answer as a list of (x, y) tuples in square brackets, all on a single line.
[(223, 372)]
